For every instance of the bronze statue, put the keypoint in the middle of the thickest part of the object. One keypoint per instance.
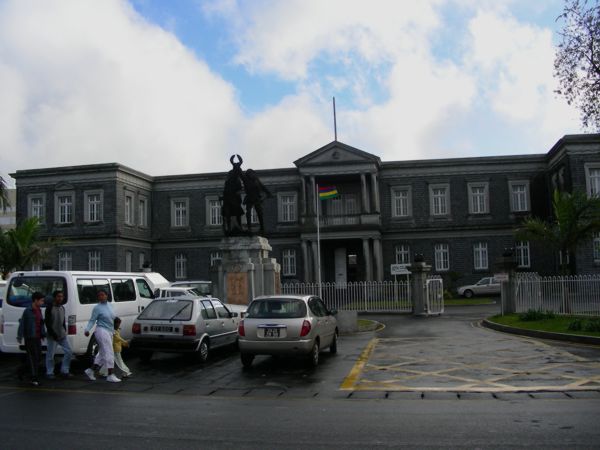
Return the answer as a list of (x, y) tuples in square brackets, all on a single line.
[(254, 189), (232, 198)]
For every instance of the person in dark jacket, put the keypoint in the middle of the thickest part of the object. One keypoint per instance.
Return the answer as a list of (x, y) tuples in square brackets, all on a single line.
[(32, 329), (57, 335)]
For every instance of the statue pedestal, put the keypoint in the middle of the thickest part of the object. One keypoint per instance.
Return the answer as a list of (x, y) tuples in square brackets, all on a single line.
[(245, 271)]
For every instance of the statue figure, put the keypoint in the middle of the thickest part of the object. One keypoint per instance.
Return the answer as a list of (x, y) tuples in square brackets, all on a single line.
[(254, 190), (232, 198)]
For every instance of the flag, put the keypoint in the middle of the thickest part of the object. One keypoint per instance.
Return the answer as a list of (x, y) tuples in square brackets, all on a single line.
[(326, 192)]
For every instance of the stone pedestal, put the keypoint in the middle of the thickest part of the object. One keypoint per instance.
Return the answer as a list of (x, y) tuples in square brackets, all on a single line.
[(245, 270), (418, 287)]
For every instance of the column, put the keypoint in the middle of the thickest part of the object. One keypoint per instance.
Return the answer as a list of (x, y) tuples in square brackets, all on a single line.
[(365, 198), (311, 197), (375, 193), (378, 259), (367, 256), (303, 197), (307, 274)]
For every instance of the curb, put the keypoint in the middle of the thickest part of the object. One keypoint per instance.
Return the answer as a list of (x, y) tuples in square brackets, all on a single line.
[(591, 340)]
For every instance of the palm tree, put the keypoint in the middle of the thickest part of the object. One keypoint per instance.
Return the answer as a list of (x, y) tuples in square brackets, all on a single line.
[(576, 219), (22, 247)]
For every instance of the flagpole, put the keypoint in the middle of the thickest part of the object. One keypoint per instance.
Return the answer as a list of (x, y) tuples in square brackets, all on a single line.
[(318, 241)]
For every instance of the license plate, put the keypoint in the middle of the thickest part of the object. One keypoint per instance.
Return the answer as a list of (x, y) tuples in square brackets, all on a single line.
[(271, 332), (161, 328)]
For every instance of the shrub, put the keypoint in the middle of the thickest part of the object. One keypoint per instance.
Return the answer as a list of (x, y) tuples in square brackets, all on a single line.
[(575, 325), (534, 314), (592, 325)]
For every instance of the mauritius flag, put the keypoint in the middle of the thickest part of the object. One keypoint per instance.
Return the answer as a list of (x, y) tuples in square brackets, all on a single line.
[(326, 192)]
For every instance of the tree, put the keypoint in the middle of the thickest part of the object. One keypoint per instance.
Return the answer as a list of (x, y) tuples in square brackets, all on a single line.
[(22, 247), (576, 219), (577, 61)]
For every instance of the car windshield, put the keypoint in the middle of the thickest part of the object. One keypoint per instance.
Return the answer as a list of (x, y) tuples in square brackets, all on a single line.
[(277, 308), (168, 310)]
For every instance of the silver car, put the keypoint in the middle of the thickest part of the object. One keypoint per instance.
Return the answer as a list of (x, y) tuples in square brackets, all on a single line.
[(287, 325), (485, 286), (184, 325)]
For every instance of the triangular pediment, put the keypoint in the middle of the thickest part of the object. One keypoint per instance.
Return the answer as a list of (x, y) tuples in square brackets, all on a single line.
[(63, 186), (337, 153)]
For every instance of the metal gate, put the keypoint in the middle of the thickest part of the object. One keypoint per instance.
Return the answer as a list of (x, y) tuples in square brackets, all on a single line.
[(434, 295)]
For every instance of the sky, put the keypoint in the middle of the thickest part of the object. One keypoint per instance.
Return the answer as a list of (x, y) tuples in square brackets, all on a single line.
[(176, 87)]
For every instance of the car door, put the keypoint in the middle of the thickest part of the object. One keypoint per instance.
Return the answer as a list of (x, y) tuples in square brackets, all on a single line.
[(321, 325), (211, 324), (329, 321), (227, 323)]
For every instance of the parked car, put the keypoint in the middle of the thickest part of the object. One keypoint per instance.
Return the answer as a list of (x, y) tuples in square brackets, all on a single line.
[(202, 287), (485, 286), (287, 325), (186, 324), (2, 291)]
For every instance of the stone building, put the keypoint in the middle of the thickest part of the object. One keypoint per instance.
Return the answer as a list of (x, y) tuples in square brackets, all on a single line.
[(459, 213)]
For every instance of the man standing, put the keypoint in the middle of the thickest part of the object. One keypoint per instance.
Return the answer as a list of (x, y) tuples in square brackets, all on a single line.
[(31, 327), (103, 317), (57, 335)]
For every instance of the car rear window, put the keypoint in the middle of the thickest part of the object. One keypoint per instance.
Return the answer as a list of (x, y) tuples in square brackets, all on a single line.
[(277, 308), (168, 310), (21, 288)]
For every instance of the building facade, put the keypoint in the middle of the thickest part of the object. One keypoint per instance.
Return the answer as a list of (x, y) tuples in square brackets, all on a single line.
[(460, 214)]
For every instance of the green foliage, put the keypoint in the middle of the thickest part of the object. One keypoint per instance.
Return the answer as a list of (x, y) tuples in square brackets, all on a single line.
[(575, 325), (592, 325), (533, 315), (577, 61), (448, 294), (577, 218)]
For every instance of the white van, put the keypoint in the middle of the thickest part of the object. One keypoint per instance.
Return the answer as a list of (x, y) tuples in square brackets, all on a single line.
[(129, 293)]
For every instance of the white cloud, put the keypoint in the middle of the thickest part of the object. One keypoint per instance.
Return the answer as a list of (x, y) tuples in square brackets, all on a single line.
[(87, 81)]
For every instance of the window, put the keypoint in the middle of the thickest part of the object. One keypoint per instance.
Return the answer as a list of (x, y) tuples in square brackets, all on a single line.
[(439, 195), (215, 257), (522, 250), (88, 290), (143, 212), (442, 257), (128, 260), (143, 288), (287, 206), (592, 179), (129, 220), (142, 260), (288, 266), (519, 196), (480, 256), (65, 261), (596, 244), (64, 207), (401, 202), (179, 212), (402, 254), (213, 211), (180, 266), (123, 290), (94, 260), (478, 198), (92, 206), (36, 206), (208, 312)]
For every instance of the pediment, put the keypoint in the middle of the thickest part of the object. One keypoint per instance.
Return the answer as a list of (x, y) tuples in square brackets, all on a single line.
[(337, 153), (63, 186)]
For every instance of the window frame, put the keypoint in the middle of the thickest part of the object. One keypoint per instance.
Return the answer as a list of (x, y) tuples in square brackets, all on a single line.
[(441, 252), (402, 250), (287, 211), (94, 260), (473, 196), (180, 266), (215, 255), (65, 260), (480, 254), (129, 208), (592, 183), (185, 219), (213, 205), (527, 197), (30, 211), (596, 248), (445, 197), (99, 209), (289, 265), (394, 191), (523, 254), (57, 207), (143, 211)]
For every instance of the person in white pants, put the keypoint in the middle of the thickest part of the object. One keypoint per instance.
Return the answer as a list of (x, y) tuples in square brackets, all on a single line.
[(103, 317)]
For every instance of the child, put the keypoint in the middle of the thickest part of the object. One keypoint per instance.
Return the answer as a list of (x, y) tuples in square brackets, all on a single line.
[(118, 344)]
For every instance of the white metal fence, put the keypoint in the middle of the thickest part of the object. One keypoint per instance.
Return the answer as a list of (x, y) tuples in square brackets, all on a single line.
[(435, 295), (577, 295), (363, 296)]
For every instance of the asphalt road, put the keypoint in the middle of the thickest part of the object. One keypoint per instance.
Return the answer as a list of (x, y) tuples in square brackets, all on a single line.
[(402, 394)]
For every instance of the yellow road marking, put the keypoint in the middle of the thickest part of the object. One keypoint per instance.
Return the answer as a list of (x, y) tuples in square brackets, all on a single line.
[(350, 381)]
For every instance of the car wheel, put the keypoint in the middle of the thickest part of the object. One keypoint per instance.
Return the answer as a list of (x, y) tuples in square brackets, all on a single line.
[(145, 356), (468, 293), (203, 351), (333, 346), (313, 358), (246, 359)]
